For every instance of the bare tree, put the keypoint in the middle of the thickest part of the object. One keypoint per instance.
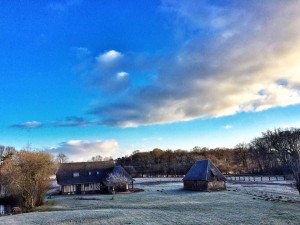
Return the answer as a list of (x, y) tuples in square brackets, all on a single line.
[(242, 155), (6, 152), (61, 158), (108, 158), (116, 181), (296, 171), (279, 148), (97, 158), (26, 176), (2, 153)]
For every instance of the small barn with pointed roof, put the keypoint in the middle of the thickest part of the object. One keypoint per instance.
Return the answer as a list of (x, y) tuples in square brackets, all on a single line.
[(204, 176), (88, 177)]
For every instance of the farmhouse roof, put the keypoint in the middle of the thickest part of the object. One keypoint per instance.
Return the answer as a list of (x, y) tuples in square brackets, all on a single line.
[(87, 172), (204, 170)]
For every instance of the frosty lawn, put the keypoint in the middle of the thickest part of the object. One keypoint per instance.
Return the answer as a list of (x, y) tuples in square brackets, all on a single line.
[(168, 203)]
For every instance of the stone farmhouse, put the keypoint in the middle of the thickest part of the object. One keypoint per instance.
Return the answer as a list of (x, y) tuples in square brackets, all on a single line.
[(89, 177)]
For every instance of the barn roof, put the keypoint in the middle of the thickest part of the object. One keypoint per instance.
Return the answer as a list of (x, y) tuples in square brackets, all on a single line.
[(204, 170), (89, 172)]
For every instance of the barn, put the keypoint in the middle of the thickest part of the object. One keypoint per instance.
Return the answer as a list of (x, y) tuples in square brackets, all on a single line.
[(204, 176), (89, 177)]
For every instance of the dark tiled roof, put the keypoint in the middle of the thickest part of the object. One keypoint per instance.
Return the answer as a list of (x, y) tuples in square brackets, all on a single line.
[(204, 170), (89, 172)]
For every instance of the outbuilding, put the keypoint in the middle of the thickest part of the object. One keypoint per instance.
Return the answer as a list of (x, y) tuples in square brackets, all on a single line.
[(204, 176), (89, 177)]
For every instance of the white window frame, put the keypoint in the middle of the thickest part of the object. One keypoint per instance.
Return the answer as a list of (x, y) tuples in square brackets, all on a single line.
[(75, 174)]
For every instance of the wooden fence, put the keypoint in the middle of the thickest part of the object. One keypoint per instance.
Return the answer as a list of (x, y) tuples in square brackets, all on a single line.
[(257, 178)]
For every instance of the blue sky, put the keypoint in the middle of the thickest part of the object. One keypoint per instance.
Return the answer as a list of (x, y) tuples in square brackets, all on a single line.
[(108, 77)]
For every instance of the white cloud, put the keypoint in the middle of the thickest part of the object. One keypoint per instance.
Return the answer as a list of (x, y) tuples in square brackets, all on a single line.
[(247, 61), (33, 124), (109, 56), (122, 74), (228, 127), (83, 150)]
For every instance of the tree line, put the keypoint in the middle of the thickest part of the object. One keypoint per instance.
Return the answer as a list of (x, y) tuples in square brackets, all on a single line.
[(274, 152)]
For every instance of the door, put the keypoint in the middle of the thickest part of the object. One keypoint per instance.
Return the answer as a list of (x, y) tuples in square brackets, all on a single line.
[(78, 189)]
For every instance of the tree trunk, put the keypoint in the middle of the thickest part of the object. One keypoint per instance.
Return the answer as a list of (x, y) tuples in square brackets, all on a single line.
[(297, 178), (113, 193)]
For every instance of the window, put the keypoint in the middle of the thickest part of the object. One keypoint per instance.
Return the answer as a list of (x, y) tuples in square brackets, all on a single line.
[(90, 173), (76, 174), (97, 172)]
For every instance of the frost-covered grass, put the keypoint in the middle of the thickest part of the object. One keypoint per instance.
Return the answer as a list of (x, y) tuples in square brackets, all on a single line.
[(168, 203)]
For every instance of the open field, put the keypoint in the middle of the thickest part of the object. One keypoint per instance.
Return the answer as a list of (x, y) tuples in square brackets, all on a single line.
[(168, 203)]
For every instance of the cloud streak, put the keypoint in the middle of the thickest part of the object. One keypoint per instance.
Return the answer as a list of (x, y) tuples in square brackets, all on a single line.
[(70, 121), (73, 121), (236, 57), (28, 125)]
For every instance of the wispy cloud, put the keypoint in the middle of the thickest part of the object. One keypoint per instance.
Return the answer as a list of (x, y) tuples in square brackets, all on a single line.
[(83, 150), (233, 67), (70, 121), (106, 71), (228, 126), (81, 52), (61, 6), (73, 121), (28, 125)]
